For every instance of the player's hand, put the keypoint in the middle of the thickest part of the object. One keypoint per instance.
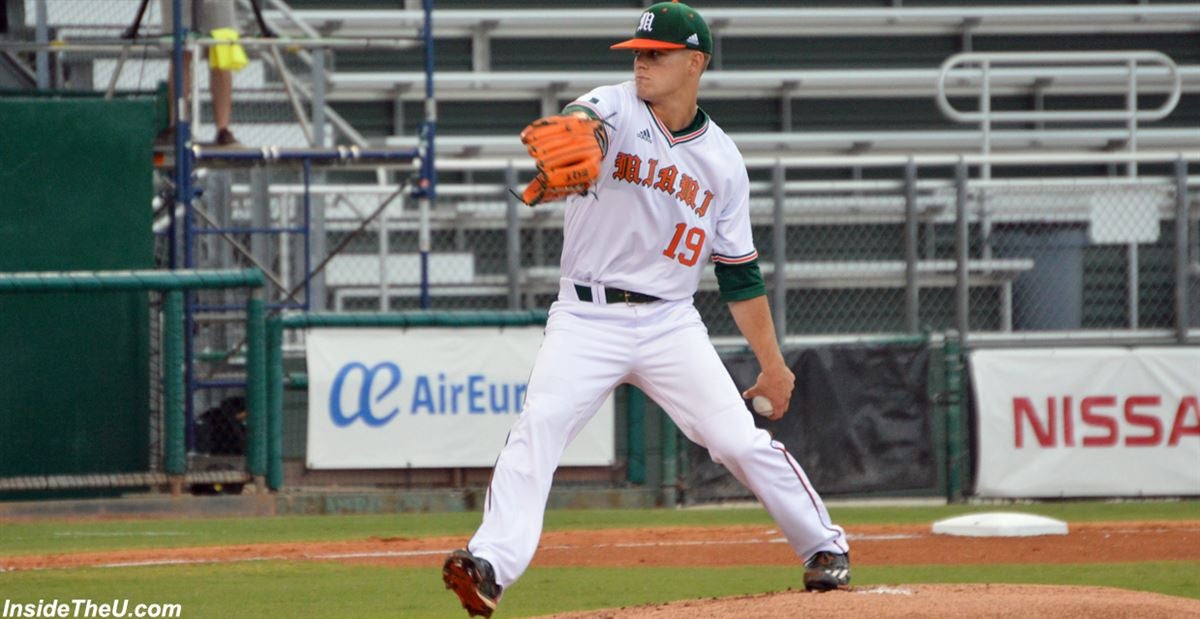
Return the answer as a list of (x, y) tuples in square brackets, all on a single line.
[(774, 383)]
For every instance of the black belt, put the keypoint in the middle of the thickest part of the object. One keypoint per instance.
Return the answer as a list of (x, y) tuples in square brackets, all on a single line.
[(614, 295)]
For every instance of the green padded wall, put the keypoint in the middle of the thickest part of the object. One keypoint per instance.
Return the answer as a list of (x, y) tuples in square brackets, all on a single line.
[(75, 193)]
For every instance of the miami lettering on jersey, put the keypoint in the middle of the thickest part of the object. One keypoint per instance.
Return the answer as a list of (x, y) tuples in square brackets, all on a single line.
[(664, 206), (628, 168)]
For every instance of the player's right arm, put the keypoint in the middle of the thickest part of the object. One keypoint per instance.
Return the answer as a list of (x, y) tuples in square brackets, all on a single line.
[(606, 104), (775, 380), (570, 147), (742, 287)]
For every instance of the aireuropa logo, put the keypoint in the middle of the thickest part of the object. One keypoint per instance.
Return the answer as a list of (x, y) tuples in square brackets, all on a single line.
[(364, 403), (376, 394)]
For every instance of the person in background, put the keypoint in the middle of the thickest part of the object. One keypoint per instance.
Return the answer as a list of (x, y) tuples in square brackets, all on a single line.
[(203, 17)]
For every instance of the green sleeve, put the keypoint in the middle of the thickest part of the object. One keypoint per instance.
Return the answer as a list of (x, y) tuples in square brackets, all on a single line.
[(571, 107), (740, 282)]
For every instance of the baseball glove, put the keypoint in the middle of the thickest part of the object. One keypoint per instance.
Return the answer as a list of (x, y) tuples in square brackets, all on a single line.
[(568, 150)]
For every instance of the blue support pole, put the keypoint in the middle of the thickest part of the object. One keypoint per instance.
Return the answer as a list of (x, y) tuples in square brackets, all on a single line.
[(183, 196), (427, 188), (181, 137), (428, 169)]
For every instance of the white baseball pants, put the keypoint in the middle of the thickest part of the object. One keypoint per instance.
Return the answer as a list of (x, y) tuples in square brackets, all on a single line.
[(662, 348)]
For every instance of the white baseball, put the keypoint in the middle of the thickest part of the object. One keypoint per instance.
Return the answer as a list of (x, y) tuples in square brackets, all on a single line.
[(762, 405)]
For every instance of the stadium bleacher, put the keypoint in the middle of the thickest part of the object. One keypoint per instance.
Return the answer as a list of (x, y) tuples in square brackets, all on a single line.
[(788, 79)]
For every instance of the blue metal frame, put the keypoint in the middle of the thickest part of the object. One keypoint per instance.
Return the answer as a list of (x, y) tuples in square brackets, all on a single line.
[(186, 158), (427, 188), (184, 195)]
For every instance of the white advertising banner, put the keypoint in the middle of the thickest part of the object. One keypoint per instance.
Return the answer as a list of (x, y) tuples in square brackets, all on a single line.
[(426, 398), (1088, 422)]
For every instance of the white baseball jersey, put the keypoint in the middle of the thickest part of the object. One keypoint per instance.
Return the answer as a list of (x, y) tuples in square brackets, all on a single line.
[(662, 206)]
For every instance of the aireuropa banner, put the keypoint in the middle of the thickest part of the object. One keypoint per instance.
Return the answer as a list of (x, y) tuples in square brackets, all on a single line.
[(1088, 422), (426, 398)]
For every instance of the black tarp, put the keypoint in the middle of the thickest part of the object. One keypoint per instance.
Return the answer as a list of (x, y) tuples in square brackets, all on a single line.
[(860, 421)]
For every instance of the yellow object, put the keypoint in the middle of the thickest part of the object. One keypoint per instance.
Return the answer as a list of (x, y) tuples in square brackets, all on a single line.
[(228, 56)]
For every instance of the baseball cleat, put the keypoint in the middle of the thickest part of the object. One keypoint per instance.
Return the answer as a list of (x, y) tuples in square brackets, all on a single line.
[(826, 571), (473, 581)]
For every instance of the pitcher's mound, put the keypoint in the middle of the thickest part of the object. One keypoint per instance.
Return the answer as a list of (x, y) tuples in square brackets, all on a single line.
[(1017, 601)]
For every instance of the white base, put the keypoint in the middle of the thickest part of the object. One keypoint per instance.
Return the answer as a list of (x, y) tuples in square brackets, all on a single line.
[(999, 524)]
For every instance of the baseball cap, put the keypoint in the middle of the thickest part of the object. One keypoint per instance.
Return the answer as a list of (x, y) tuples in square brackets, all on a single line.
[(670, 25)]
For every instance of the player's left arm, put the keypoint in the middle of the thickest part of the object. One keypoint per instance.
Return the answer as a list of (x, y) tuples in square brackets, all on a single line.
[(753, 318)]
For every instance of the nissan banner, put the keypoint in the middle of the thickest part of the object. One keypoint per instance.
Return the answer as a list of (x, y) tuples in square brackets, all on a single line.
[(427, 398), (1087, 422)]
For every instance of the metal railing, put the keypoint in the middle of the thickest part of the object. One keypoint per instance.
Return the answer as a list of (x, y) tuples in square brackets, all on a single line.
[(1046, 68), (173, 286), (765, 21), (878, 255)]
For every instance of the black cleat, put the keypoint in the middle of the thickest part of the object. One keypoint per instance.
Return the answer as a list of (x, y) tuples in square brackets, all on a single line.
[(473, 581), (826, 571)]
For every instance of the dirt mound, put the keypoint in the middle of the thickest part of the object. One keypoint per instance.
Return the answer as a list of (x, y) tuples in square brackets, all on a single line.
[(921, 601)]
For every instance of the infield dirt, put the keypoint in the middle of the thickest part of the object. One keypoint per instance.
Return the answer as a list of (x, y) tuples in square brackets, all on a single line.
[(763, 545)]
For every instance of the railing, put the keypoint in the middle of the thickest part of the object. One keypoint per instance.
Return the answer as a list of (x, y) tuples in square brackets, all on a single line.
[(173, 286), (729, 84), (761, 21), (875, 256), (1048, 68)]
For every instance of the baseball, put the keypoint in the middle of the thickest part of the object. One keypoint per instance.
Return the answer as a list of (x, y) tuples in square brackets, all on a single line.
[(762, 405)]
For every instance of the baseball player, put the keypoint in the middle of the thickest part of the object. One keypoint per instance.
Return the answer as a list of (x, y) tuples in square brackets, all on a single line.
[(654, 190)]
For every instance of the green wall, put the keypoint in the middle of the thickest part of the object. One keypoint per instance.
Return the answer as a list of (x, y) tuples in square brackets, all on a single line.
[(75, 194)]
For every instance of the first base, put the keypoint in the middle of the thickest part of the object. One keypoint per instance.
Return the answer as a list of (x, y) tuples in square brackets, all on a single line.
[(999, 524)]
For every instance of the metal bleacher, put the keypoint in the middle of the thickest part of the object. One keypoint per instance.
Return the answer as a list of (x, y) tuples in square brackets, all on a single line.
[(501, 66), (482, 47), (494, 64), (787, 80)]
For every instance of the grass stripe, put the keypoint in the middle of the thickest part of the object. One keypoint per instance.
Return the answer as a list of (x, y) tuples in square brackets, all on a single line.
[(57, 537)]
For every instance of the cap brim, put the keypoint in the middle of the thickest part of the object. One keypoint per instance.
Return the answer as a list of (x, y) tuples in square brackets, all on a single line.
[(647, 44)]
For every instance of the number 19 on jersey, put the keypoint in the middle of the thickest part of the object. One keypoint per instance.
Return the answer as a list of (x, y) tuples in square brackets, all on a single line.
[(693, 242)]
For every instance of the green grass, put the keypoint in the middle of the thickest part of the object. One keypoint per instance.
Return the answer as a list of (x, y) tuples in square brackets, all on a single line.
[(20, 538), (277, 589)]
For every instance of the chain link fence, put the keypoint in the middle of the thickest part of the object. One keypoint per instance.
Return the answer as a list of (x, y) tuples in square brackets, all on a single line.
[(1043, 255), (90, 18), (1102, 253)]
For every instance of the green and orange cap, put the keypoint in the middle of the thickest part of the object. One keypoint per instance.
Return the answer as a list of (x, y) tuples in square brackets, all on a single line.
[(670, 25)]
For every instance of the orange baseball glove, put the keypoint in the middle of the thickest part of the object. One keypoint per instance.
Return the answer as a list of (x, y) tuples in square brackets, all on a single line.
[(568, 150)]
